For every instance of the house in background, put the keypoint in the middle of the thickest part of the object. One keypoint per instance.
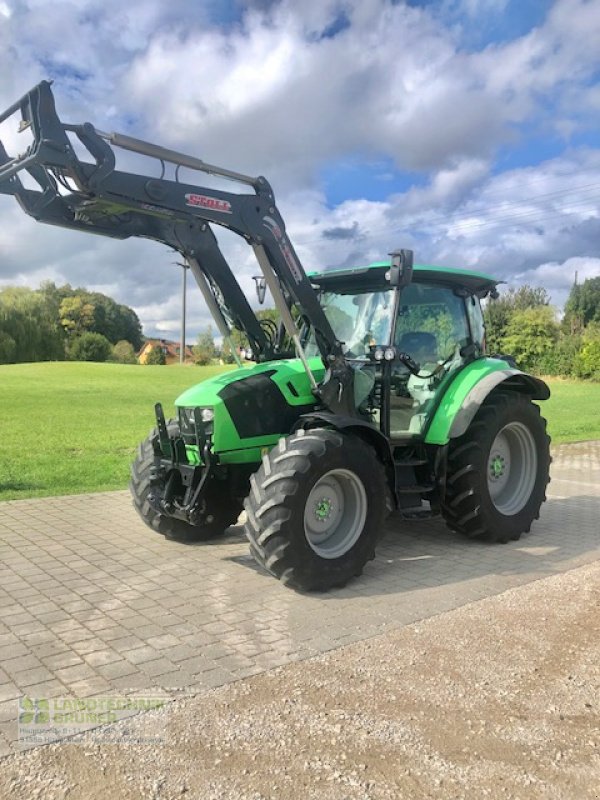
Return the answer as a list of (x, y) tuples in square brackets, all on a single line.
[(170, 349)]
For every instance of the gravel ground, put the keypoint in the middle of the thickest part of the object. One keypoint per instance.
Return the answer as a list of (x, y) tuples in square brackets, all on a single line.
[(497, 699)]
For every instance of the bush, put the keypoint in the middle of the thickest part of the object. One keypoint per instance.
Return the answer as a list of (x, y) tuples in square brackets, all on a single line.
[(156, 357), (226, 354), (587, 362), (204, 350), (560, 360), (90, 347), (531, 335), (123, 353), (202, 356)]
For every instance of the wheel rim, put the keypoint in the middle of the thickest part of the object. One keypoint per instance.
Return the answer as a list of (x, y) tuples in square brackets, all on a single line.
[(335, 513), (512, 468)]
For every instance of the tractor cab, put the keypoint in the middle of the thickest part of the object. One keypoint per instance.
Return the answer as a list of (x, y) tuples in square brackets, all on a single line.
[(405, 342)]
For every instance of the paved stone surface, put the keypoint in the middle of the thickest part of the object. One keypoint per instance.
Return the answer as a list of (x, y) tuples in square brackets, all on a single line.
[(92, 602)]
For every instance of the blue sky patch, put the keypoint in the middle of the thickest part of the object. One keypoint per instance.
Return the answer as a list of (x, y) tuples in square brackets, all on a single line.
[(372, 179)]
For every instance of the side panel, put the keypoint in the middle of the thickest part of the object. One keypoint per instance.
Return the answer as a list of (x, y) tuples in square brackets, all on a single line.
[(469, 389)]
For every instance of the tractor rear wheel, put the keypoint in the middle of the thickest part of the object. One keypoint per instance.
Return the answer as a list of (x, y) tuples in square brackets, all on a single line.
[(222, 510), (498, 470), (316, 509)]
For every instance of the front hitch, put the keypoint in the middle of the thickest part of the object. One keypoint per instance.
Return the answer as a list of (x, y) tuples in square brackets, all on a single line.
[(178, 486)]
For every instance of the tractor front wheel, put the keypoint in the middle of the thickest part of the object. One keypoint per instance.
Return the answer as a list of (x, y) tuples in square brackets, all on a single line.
[(498, 470), (222, 510), (316, 509)]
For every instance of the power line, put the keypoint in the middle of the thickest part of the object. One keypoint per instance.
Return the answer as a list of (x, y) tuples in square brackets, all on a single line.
[(489, 221)]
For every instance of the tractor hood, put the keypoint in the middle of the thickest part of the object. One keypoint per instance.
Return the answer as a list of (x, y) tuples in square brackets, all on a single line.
[(254, 406)]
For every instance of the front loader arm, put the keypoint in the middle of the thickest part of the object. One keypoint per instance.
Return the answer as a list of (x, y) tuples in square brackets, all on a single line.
[(98, 198)]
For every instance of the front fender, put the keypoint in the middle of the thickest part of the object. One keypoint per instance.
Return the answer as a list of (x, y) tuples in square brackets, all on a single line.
[(366, 430), (468, 391)]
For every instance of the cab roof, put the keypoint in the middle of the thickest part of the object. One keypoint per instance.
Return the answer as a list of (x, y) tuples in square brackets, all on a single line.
[(374, 274)]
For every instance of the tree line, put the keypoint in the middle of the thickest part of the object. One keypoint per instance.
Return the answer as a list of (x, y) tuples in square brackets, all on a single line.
[(522, 323), (54, 323)]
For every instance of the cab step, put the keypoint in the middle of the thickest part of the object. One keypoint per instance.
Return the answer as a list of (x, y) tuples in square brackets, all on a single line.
[(410, 462), (416, 514), (415, 488)]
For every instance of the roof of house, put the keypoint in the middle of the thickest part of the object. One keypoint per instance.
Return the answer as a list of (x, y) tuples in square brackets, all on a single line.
[(172, 348)]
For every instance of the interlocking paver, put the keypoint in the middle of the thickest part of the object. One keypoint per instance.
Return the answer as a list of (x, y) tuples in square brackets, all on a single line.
[(140, 654), (125, 644), (164, 642), (158, 666), (116, 669), (93, 602), (79, 672), (89, 687), (86, 646), (98, 657), (60, 660), (9, 691), (22, 662), (27, 677)]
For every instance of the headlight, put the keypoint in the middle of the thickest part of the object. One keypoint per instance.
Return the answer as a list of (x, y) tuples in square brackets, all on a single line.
[(187, 425), (207, 415)]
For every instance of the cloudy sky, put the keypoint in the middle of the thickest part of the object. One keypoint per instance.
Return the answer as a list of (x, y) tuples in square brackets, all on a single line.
[(468, 130)]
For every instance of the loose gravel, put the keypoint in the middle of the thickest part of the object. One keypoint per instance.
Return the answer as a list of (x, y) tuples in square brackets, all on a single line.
[(497, 699)]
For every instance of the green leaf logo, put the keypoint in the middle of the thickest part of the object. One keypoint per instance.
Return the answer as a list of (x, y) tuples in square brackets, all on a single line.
[(32, 711)]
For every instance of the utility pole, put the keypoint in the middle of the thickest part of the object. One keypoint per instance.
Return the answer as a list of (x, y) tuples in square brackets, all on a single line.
[(183, 299)]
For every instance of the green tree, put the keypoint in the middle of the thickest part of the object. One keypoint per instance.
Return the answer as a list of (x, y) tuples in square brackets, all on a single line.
[(115, 321), (226, 354), (498, 313), (582, 306), (8, 348), (81, 310), (40, 322), (156, 357), (77, 315), (205, 350), (124, 353), (561, 359), (239, 338), (26, 320), (587, 361), (90, 347), (531, 334)]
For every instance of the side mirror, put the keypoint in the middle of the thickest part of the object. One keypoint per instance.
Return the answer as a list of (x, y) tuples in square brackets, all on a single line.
[(401, 268)]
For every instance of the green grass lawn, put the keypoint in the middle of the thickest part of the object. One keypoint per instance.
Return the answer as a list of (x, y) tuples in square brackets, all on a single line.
[(573, 410), (68, 428), (73, 427)]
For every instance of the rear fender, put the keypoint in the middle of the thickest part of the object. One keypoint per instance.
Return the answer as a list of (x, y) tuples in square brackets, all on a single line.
[(469, 390)]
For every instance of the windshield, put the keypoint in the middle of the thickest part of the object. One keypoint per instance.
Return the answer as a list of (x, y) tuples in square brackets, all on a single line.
[(358, 319)]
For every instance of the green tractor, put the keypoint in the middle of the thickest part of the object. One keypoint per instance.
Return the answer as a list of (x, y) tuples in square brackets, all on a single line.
[(373, 395)]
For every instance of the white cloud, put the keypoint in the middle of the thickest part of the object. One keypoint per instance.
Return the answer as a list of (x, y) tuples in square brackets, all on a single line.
[(276, 93)]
